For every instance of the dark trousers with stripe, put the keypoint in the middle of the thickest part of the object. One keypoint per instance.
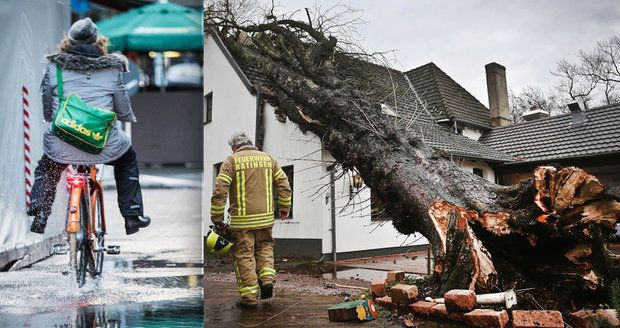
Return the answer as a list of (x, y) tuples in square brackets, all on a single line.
[(48, 173)]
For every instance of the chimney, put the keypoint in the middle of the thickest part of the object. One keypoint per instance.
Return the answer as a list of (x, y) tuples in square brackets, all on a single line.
[(578, 116), (534, 113), (498, 94)]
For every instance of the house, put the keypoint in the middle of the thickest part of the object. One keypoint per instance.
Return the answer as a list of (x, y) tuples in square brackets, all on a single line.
[(232, 103), (587, 138)]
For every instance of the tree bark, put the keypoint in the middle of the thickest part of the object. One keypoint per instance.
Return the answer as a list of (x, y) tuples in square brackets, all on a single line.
[(547, 232)]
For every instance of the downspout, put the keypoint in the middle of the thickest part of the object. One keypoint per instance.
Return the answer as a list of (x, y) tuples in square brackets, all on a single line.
[(332, 186), (259, 133)]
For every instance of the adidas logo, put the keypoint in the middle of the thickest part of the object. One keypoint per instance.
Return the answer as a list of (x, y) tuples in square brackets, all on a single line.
[(80, 129)]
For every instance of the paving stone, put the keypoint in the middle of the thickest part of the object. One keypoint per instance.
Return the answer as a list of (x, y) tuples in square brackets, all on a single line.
[(422, 308), (377, 289), (460, 300), (487, 318), (393, 276), (591, 318), (404, 294), (537, 318)]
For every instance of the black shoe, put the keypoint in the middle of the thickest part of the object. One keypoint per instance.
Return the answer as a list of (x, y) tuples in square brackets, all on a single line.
[(245, 305), (38, 224), (134, 223), (266, 291)]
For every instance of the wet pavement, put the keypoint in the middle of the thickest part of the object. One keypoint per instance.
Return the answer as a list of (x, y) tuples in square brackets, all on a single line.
[(303, 292), (156, 281), (290, 308)]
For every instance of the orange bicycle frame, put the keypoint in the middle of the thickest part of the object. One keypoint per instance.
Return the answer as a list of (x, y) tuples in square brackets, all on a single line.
[(77, 184)]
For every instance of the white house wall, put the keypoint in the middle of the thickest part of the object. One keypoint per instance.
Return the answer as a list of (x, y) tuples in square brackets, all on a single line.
[(290, 146), (233, 111), (469, 165), (354, 229)]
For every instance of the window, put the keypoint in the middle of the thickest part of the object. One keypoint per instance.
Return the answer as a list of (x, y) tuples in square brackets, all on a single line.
[(216, 171), (289, 173), (208, 108), (478, 172)]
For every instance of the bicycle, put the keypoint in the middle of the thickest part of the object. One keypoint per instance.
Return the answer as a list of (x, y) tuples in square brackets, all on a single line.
[(86, 226)]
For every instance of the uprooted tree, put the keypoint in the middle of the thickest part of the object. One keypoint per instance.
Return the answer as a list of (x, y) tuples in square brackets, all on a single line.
[(547, 232)]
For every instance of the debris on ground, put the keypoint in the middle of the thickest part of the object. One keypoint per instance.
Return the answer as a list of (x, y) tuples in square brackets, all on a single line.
[(360, 310)]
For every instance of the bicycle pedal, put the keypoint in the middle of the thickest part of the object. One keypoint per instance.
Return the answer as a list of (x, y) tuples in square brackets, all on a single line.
[(113, 250), (60, 249)]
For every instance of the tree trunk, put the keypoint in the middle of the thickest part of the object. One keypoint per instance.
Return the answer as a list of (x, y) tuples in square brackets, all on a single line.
[(547, 232)]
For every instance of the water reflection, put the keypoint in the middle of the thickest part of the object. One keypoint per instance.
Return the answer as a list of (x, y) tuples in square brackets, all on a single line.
[(182, 313)]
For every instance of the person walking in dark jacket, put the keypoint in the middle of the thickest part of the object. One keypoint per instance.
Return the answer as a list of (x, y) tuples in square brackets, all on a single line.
[(96, 76)]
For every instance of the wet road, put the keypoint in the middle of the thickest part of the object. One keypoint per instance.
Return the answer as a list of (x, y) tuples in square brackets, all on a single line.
[(156, 281)]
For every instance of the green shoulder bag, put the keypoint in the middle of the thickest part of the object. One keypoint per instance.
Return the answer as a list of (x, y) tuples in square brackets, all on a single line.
[(79, 124)]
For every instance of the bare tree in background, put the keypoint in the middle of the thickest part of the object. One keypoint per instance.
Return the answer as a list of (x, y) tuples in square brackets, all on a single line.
[(547, 232), (595, 76), (532, 97)]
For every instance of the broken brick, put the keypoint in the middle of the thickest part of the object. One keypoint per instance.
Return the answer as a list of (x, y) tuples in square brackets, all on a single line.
[(592, 318), (422, 308), (537, 318), (377, 289), (384, 301), (393, 276), (404, 294), (487, 318), (440, 311), (460, 300)]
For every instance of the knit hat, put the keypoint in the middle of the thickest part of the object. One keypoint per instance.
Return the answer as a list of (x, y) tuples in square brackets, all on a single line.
[(83, 31)]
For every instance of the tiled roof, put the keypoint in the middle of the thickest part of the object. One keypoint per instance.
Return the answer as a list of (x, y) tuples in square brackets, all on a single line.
[(459, 145), (390, 87), (446, 98), (556, 137)]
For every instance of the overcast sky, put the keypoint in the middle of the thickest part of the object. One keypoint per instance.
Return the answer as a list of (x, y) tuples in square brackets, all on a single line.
[(461, 36)]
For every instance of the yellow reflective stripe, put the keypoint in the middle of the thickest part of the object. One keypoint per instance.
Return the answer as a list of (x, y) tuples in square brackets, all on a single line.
[(262, 220), (239, 204), (266, 272), (217, 212), (217, 207), (269, 189), (248, 290), (225, 178), (243, 192), (250, 216), (255, 224), (278, 174), (284, 198), (284, 203), (252, 221)]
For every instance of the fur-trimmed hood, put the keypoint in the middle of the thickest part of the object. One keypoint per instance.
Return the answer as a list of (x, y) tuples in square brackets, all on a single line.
[(76, 62)]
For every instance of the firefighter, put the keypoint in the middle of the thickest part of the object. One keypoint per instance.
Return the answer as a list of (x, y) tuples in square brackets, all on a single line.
[(248, 176)]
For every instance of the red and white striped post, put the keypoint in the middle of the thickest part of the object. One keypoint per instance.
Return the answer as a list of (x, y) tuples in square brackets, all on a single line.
[(27, 162)]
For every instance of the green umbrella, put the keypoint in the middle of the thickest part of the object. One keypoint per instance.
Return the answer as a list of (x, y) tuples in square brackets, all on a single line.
[(156, 27)]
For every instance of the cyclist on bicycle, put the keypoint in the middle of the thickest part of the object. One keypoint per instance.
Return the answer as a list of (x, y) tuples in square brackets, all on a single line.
[(96, 76)]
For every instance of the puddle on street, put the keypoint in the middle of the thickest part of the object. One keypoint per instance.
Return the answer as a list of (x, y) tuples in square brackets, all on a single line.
[(159, 294), (180, 313)]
